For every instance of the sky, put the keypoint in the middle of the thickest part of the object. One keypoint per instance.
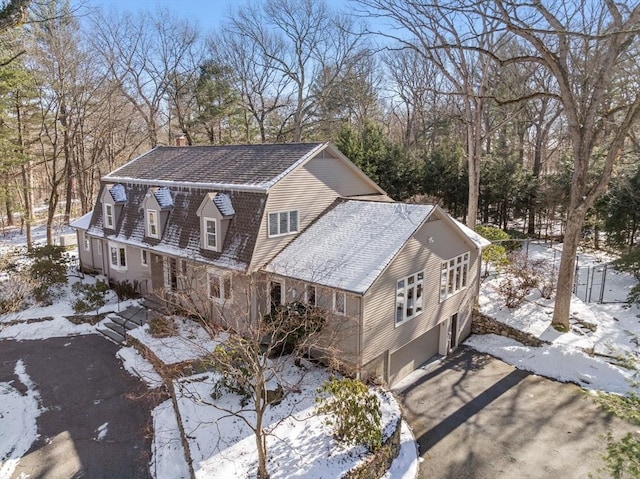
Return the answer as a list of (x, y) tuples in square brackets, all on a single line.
[(206, 13)]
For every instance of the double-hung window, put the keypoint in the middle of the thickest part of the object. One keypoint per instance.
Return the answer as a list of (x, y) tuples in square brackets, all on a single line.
[(283, 223), (87, 241), (144, 257), (108, 216), (118, 257), (409, 297), (219, 287), (454, 276), (211, 234), (152, 224)]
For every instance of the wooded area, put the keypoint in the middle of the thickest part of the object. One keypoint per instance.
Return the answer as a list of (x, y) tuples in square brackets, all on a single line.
[(506, 113)]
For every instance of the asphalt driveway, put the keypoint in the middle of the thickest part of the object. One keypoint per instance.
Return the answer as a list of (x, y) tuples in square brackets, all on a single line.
[(83, 392), (474, 416)]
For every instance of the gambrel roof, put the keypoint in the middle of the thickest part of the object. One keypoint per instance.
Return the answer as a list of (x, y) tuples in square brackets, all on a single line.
[(216, 167), (181, 235)]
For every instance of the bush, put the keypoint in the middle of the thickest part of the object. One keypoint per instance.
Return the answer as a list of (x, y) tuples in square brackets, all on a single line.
[(162, 327), (622, 459), (92, 296), (48, 268), (523, 275), (231, 361), (353, 410), (127, 290), (289, 326)]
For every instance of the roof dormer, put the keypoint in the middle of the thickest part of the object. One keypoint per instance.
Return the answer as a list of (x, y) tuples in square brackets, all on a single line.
[(113, 199), (156, 205), (215, 213)]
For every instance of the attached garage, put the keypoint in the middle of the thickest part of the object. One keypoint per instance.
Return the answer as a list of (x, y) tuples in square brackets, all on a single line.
[(413, 354)]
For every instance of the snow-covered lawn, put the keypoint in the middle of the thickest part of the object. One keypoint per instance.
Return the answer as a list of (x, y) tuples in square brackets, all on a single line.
[(300, 444), (600, 352)]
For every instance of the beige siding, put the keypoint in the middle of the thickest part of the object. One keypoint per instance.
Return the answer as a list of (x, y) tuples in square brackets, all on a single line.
[(135, 270), (434, 242), (310, 189)]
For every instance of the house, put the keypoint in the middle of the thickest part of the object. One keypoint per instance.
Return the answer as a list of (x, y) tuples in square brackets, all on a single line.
[(268, 224)]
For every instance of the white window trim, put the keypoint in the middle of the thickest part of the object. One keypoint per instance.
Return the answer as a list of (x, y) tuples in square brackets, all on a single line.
[(454, 271), (225, 281), (334, 306), (86, 240), (205, 234), (99, 248), (153, 213), (121, 251), (417, 282), (144, 258), (289, 230), (109, 219)]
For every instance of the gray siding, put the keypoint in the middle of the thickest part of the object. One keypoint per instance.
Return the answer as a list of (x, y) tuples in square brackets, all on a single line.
[(434, 242), (310, 189)]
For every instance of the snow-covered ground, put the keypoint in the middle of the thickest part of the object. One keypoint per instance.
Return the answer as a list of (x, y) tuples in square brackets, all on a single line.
[(600, 352), (300, 444)]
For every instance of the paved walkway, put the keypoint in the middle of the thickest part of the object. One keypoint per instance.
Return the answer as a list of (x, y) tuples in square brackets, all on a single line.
[(476, 417), (82, 387)]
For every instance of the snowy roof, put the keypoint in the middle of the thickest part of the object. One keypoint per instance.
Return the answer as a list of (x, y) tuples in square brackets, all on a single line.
[(480, 241), (163, 196), (350, 245), (223, 203), (82, 223), (216, 167), (118, 193)]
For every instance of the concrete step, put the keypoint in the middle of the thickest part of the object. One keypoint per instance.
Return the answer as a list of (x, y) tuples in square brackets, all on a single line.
[(115, 327), (112, 336), (120, 321)]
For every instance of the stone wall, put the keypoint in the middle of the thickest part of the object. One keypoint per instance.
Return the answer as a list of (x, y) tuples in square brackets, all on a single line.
[(377, 464), (483, 324)]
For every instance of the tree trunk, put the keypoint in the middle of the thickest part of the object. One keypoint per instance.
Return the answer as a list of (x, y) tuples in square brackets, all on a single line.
[(566, 272)]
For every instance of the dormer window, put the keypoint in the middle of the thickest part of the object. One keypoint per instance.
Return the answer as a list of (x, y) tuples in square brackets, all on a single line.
[(108, 216), (211, 234), (283, 223), (152, 223), (216, 213)]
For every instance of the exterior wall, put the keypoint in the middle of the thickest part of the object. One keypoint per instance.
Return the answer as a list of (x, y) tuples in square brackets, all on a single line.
[(310, 189), (433, 243), (134, 271)]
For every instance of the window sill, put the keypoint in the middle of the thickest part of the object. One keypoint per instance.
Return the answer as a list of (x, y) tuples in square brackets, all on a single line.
[(282, 234), (408, 320)]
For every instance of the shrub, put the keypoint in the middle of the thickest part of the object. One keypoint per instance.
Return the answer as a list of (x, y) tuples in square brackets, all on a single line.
[(496, 253), (92, 296), (127, 290), (231, 360), (48, 268), (162, 327), (289, 326), (353, 412), (523, 275)]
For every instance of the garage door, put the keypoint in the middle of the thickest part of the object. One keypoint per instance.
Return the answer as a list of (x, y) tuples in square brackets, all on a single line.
[(413, 355)]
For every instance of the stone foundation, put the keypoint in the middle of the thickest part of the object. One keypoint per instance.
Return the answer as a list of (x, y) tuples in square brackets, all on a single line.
[(483, 324), (377, 464)]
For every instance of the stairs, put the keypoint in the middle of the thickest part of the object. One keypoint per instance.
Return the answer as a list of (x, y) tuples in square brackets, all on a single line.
[(116, 325)]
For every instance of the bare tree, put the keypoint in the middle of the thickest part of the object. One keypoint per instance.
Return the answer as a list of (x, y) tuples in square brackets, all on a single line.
[(590, 51), (145, 54), (298, 41), (253, 360)]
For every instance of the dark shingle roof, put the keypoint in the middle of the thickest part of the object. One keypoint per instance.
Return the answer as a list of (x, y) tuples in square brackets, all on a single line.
[(258, 166), (181, 234)]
